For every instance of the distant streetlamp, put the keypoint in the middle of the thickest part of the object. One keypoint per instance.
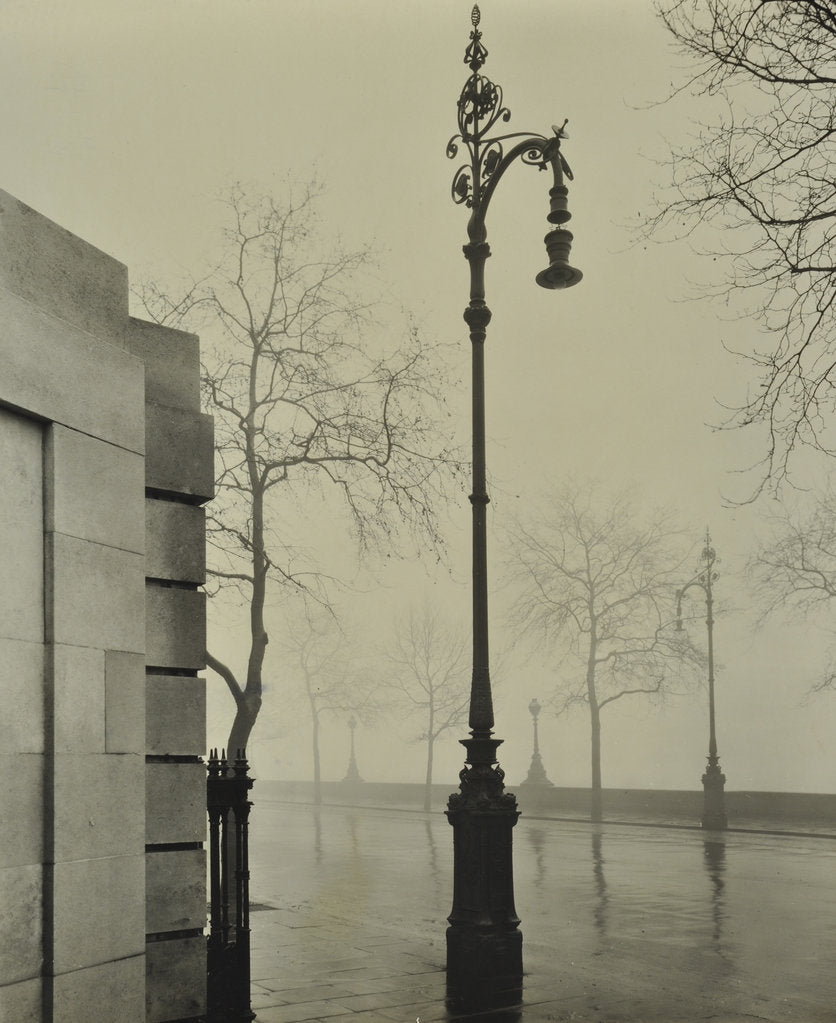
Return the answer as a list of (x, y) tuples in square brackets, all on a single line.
[(484, 944), (352, 775), (713, 781), (536, 772)]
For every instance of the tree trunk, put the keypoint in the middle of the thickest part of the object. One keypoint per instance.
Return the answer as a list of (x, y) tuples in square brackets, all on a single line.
[(248, 704), (428, 784), (317, 781), (597, 807), (247, 708), (596, 812)]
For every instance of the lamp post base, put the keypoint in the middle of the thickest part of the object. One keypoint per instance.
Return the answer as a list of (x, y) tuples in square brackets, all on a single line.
[(537, 773), (714, 797), (484, 945), (484, 968)]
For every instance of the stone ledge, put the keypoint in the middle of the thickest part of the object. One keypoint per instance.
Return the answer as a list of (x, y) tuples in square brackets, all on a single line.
[(175, 541), (175, 715), (180, 454), (175, 628), (172, 363), (175, 891)]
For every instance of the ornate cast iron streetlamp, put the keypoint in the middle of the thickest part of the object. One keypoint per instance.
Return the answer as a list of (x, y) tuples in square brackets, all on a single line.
[(484, 944), (352, 775), (713, 781), (536, 772)]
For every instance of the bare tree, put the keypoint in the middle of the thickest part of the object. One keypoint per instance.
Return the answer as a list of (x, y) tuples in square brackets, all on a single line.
[(332, 679), (794, 567), (762, 169), (427, 666), (313, 402), (596, 582)]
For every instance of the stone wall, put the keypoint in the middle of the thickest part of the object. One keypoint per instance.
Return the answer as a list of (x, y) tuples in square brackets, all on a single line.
[(106, 460)]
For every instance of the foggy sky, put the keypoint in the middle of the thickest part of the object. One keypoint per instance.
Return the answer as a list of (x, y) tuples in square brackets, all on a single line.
[(122, 122)]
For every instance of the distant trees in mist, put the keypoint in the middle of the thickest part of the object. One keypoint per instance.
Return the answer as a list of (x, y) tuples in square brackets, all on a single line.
[(594, 579)]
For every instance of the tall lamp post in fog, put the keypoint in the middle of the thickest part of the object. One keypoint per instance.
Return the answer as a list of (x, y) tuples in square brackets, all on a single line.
[(536, 772), (484, 943), (352, 775), (713, 781)]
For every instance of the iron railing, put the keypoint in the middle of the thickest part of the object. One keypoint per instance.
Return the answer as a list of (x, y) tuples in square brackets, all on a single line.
[(228, 945)]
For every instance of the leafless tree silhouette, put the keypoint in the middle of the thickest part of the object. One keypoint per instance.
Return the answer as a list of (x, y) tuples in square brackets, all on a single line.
[(313, 401), (761, 169)]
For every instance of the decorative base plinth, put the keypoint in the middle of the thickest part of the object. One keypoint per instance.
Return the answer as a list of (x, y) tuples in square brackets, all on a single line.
[(484, 945), (484, 968), (714, 799), (537, 773)]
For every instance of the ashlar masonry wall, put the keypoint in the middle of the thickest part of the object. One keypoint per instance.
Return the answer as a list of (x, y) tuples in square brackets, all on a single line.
[(105, 460)]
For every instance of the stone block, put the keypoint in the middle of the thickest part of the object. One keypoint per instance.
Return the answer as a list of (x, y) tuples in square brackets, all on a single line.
[(96, 490), (175, 627), (47, 265), (23, 696), (175, 891), (98, 806), (22, 1002), (21, 941), (60, 374), (124, 702), (98, 597), (175, 984), (172, 363), (98, 911), (21, 524), (175, 803), (175, 715), (79, 700), (175, 541), (21, 809), (116, 989), (180, 457)]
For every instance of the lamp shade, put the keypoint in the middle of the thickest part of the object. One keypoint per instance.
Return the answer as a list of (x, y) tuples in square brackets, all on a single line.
[(558, 274)]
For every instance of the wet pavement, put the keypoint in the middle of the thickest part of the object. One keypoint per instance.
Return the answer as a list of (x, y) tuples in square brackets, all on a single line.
[(620, 924)]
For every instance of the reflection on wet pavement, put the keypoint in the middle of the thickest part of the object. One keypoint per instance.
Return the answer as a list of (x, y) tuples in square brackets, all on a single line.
[(618, 924), (714, 857), (600, 912)]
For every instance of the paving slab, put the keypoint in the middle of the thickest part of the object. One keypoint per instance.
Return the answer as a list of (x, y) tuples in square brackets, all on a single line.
[(620, 925)]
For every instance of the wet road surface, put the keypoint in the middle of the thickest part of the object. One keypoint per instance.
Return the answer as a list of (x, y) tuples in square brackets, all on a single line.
[(619, 924)]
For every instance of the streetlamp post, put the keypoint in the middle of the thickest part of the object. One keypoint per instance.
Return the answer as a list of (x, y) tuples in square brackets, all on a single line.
[(536, 772), (713, 781), (484, 944), (352, 775)]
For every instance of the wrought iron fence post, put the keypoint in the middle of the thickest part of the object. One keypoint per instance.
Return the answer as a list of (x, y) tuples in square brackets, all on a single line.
[(228, 944)]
